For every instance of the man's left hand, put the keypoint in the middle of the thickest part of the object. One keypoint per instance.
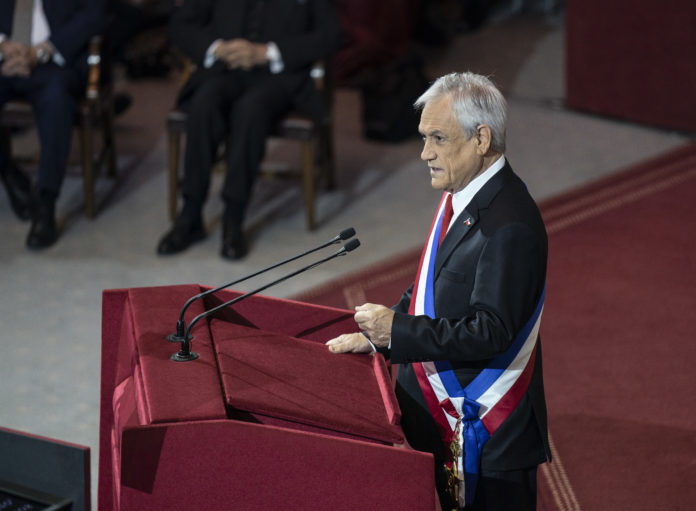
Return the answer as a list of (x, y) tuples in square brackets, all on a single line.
[(376, 321), (350, 343)]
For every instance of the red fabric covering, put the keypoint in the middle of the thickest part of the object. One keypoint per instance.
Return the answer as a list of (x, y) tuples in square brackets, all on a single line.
[(292, 318), (301, 381), (172, 391), (243, 466), (142, 387), (633, 60)]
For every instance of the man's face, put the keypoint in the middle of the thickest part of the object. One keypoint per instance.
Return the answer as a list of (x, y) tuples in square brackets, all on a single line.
[(453, 159)]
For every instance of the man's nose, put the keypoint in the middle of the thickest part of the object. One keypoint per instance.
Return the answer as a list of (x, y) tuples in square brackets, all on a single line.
[(427, 154)]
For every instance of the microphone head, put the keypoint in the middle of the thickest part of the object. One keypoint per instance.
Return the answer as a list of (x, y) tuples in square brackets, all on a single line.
[(351, 245), (346, 233)]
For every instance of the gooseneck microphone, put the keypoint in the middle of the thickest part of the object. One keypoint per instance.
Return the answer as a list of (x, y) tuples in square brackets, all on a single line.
[(181, 325), (185, 353)]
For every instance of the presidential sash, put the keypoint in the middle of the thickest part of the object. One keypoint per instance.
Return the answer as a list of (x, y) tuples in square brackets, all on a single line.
[(467, 417)]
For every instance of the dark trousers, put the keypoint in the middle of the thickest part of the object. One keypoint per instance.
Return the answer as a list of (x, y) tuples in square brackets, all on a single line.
[(241, 109), (513, 490), (53, 92)]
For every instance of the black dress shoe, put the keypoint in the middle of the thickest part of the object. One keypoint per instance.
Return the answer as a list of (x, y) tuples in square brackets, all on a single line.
[(182, 235), (234, 244), (43, 232), (18, 187)]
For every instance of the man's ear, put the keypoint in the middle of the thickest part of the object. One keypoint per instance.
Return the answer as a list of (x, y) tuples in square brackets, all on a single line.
[(483, 139)]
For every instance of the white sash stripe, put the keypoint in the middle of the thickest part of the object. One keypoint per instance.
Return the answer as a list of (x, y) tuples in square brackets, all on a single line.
[(441, 391), (423, 277), (508, 377)]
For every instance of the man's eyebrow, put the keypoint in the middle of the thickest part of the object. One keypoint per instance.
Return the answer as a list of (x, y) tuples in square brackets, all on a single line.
[(433, 133)]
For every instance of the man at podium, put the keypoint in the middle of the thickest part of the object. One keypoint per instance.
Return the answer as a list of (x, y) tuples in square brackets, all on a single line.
[(465, 334)]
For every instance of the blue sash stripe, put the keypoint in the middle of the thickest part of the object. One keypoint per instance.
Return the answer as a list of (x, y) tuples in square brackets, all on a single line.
[(429, 296), (491, 373), (475, 435)]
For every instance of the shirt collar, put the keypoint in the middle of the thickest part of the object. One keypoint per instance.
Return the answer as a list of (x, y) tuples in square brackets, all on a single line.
[(462, 198)]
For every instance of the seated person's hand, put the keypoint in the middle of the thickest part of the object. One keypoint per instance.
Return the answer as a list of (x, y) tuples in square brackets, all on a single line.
[(241, 54), (16, 59), (349, 343)]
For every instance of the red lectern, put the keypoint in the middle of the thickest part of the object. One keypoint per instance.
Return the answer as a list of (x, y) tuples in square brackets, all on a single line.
[(265, 418)]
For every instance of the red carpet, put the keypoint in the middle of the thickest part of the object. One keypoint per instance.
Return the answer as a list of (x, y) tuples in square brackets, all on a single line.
[(618, 337)]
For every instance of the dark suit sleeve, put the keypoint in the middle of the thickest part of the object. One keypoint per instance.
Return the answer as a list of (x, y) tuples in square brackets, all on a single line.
[(191, 28), (507, 282), (73, 24), (5, 18), (404, 302), (301, 49)]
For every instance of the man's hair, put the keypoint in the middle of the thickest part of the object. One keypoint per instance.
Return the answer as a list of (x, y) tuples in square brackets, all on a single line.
[(475, 100)]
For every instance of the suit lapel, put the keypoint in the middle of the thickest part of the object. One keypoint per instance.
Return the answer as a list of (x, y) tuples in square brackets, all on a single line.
[(470, 216)]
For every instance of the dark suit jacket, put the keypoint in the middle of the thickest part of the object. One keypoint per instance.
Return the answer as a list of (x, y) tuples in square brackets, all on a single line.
[(304, 31), (488, 279), (72, 24)]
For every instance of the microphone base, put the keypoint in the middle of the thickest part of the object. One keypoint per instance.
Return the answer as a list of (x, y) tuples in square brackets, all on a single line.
[(178, 338), (181, 356)]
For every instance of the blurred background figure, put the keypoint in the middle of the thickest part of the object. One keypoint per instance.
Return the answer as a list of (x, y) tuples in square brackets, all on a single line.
[(253, 61), (43, 59)]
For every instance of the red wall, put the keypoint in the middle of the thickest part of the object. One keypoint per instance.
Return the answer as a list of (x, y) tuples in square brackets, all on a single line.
[(633, 59)]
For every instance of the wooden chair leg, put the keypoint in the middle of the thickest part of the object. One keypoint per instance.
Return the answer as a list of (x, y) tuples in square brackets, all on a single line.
[(328, 157), (173, 162), (108, 137), (309, 181), (87, 165)]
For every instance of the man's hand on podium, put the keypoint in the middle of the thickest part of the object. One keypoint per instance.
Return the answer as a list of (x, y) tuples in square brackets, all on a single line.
[(376, 321), (350, 343)]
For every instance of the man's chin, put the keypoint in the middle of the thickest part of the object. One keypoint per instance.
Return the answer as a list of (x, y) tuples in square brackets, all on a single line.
[(437, 184)]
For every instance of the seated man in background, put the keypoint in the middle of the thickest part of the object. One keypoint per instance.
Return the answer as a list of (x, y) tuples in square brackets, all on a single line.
[(253, 59), (43, 59)]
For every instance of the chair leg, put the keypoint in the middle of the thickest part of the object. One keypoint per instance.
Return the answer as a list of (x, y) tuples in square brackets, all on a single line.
[(87, 164), (108, 137), (6, 141), (309, 181), (173, 162), (327, 150)]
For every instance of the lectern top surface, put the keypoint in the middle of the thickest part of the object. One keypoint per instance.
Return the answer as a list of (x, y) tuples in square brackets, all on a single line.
[(300, 380)]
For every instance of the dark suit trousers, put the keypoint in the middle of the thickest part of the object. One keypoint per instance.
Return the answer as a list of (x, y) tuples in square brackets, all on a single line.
[(52, 91), (513, 490), (240, 108)]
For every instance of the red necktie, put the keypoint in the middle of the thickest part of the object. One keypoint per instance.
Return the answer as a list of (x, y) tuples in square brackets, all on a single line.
[(446, 218)]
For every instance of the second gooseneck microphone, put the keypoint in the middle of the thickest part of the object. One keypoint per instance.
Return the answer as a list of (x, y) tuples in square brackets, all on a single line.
[(185, 354), (181, 325)]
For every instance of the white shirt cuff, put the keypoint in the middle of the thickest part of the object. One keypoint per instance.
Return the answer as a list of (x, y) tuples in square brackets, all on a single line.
[(210, 58), (275, 60)]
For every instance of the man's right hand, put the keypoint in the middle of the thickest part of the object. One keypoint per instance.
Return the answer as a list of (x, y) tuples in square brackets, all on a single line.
[(16, 59)]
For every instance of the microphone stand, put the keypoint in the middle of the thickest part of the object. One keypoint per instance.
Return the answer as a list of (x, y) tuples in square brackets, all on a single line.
[(181, 325), (185, 354)]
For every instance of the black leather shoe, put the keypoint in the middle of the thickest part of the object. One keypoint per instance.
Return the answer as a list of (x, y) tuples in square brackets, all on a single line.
[(182, 235), (43, 232), (234, 245), (18, 187)]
